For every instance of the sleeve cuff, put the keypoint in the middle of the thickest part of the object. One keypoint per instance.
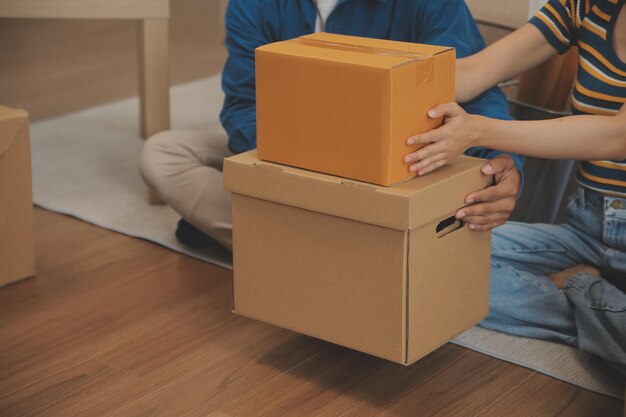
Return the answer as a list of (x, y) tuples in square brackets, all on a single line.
[(558, 44)]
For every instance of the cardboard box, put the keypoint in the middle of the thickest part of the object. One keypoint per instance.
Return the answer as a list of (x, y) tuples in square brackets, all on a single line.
[(508, 13), (345, 105), (366, 267), (17, 246)]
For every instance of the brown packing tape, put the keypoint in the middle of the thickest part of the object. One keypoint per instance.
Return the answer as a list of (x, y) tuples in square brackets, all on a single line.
[(424, 62)]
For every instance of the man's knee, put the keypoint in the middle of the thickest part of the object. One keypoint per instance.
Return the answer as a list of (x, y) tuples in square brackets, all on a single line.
[(154, 157)]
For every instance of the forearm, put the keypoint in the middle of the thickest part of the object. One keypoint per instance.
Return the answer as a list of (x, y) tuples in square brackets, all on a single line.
[(510, 56), (574, 137), (471, 79)]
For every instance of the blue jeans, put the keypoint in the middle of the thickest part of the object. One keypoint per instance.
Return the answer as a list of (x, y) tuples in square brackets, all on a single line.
[(590, 312)]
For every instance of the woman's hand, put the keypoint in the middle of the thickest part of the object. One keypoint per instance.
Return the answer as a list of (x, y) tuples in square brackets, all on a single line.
[(459, 132)]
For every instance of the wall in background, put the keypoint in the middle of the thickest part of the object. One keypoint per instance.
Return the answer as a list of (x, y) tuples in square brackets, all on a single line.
[(535, 5), (50, 67)]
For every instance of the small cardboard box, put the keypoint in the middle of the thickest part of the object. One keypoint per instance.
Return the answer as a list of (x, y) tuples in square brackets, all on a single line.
[(17, 246), (383, 270), (345, 106)]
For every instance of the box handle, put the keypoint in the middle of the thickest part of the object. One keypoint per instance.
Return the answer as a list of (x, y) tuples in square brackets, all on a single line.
[(447, 226)]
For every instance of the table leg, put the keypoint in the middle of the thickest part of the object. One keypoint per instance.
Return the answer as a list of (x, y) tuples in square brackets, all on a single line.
[(154, 76)]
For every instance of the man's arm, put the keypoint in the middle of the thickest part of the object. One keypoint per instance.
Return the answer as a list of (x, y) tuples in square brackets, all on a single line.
[(450, 23), (244, 35)]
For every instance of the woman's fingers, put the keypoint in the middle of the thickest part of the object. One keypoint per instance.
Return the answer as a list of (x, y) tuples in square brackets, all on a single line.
[(427, 165), (432, 136)]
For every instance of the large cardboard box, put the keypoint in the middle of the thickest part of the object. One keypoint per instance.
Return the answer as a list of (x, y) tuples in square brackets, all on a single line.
[(345, 105), (383, 270), (508, 13), (17, 247)]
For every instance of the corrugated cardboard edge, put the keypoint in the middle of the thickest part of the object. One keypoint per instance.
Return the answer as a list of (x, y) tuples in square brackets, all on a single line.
[(405, 316), (449, 204), (403, 209), (344, 191), (407, 363), (12, 122)]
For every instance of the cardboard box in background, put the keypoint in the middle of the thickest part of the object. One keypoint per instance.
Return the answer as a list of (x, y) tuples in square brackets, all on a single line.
[(345, 105), (507, 13), (370, 268), (17, 246)]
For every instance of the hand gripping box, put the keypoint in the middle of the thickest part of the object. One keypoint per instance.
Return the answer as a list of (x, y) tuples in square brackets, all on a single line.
[(345, 105), (17, 246), (383, 270)]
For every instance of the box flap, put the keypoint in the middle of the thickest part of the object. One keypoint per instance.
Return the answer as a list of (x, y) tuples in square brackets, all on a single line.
[(355, 50), (11, 121), (403, 206)]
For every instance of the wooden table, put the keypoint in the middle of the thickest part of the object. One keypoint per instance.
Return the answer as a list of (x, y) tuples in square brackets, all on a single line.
[(152, 18)]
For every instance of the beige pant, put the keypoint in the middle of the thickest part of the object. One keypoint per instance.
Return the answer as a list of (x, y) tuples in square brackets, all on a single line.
[(184, 169)]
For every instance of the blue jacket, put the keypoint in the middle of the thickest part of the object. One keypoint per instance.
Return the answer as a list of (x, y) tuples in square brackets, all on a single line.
[(252, 23)]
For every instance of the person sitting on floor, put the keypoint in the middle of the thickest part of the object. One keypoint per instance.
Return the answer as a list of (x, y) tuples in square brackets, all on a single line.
[(184, 168), (557, 282)]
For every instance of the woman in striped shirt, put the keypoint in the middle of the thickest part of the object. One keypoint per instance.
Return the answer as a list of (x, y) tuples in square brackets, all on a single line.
[(561, 282)]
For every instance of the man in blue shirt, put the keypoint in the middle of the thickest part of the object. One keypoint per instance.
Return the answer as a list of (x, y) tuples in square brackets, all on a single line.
[(184, 168)]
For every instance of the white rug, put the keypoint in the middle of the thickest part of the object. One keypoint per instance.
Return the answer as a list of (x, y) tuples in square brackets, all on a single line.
[(84, 165)]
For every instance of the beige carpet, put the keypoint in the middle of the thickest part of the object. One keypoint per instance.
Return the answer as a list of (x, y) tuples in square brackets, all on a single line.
[(84, 165)]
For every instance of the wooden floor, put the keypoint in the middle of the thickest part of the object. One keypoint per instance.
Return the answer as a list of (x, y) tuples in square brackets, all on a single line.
[(116, 326)]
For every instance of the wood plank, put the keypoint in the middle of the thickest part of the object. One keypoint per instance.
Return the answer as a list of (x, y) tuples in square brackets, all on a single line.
[(393, 382), (164, 319), (86, 305), (244, 365), (171, 335), (455, 394), (154, 76), (542, 395), (65, 393), (42, 345), (86, 9), (304, 389), (333, 383)]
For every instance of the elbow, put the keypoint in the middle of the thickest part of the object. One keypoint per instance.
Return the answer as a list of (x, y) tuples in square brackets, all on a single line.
[(620, 136), (618, 151)]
